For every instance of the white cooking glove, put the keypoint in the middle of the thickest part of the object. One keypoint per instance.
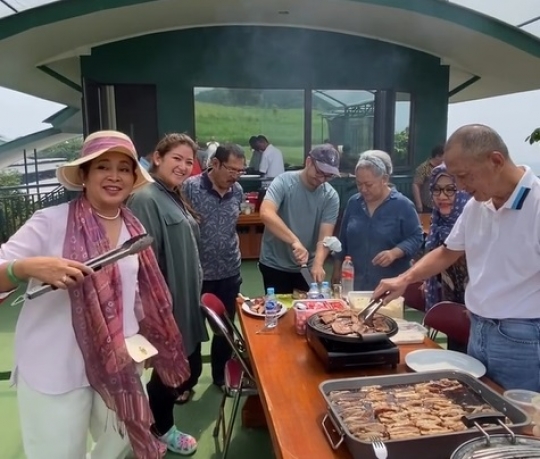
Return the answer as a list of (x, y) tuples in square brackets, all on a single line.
[(332, 243)]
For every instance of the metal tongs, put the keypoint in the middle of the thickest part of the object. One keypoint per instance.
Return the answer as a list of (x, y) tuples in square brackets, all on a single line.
[(366, 316), (130, 247)]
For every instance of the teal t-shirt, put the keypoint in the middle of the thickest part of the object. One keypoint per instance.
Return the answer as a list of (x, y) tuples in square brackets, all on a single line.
[(303, 211)]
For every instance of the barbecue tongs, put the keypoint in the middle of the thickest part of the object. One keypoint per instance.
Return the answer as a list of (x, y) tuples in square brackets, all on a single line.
[(130, 247), (374, 305)]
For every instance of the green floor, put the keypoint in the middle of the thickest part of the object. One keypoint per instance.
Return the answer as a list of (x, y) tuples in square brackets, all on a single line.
[(196, 417)]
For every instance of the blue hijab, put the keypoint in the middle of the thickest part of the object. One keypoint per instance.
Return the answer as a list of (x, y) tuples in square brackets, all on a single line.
[(440, 228)]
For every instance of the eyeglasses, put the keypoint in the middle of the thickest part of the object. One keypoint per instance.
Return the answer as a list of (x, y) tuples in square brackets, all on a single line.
[(448, 191), (232, 170), (320, 173)]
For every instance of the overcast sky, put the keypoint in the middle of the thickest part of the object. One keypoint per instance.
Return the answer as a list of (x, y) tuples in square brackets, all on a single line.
[(514, 116)]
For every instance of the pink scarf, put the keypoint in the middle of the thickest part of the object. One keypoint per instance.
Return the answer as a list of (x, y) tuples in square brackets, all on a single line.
[(96, 306)]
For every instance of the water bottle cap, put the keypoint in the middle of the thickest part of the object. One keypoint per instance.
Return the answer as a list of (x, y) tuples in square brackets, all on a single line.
[(326, 284), (270, 291), (348, 258), (314, 285)]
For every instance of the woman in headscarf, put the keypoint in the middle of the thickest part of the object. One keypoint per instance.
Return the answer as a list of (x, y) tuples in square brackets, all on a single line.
[(448, 204), (76, 348), (170, 220)]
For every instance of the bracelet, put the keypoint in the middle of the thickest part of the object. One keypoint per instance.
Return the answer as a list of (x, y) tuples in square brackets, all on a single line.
[(11, 275)]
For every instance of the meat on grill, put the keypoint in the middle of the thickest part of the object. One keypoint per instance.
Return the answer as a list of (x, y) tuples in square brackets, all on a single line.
[(347, 323), (406, 411)]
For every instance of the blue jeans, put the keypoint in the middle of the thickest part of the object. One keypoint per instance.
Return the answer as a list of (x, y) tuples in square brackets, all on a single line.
[(510, 350)]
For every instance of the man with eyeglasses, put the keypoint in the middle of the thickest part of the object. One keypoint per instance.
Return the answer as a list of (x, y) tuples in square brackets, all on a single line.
[(499, 232), (299, 210), (216, 196)]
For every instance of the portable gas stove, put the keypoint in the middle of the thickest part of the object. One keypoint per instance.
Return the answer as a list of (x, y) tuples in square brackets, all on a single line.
[(337, 355), (347, 352)]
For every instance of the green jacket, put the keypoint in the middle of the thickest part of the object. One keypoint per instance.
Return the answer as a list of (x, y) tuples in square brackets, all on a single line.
[(176, 236)]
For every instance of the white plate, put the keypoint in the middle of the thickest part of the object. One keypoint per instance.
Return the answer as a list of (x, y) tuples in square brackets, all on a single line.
[(248, 310), (440, 359)]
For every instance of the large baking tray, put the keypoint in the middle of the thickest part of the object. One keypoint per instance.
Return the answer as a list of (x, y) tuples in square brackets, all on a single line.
[(426, 447)]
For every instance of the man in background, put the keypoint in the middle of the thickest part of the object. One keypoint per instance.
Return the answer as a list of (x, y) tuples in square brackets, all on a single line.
[(271, 164), (216, 196), (420, 187), (299, 210), (256, 155), (146, 161)]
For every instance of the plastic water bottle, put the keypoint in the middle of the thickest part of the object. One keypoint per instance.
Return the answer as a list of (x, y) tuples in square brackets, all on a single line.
[(347, 277), (314, 293), (326, 291), (270, 309)]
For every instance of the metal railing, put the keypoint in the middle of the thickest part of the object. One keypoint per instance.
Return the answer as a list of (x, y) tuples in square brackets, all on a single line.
[(17, 206)]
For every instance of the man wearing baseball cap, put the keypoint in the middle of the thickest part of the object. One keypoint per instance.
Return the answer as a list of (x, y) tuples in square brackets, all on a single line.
[(299, 210)]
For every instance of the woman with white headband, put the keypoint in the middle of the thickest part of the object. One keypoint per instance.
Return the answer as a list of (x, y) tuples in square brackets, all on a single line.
[(380, 229)]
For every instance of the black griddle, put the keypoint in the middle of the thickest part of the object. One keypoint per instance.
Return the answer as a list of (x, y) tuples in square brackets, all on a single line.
[(338, 355)]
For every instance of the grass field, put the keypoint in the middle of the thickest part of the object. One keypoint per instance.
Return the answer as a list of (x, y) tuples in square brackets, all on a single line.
[(283, 127)]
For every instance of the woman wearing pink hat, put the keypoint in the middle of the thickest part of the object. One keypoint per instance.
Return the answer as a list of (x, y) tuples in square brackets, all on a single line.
[(76, 348)]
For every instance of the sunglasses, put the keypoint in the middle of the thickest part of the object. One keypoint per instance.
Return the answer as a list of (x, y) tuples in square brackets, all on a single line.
[(448, 191)]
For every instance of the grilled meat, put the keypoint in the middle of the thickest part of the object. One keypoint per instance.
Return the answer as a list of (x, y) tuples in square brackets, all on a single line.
[(346, 323), (405, 412)]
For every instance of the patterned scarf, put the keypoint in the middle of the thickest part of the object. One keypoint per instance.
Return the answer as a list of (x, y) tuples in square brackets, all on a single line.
[(96, 306), (440, 228)]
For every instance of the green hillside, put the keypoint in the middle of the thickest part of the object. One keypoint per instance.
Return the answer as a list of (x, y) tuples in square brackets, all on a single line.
[(284, 127)]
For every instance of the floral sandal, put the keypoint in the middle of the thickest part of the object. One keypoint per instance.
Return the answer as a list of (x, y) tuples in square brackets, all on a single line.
[(179, 442)]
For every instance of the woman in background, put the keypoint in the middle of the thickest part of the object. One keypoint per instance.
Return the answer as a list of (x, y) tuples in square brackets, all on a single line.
[(168, 218), (74, 359), (448, 204), (380, 229)]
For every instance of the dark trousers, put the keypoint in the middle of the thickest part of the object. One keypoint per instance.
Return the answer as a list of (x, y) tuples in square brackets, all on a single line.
[(162, 397), (282, 281), (227, 291)]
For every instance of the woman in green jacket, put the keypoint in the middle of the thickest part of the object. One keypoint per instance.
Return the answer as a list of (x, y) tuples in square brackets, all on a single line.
[(168, 218)]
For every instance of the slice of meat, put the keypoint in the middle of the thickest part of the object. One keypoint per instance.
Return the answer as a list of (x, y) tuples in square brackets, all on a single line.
[(342, 328), (327, 317), (346, 313)]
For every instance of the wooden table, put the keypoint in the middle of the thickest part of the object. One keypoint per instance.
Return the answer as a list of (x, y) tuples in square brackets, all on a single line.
[(250, 229), (288, 374)]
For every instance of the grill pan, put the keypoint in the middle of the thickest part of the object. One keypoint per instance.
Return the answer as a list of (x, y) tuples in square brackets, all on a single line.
[(426, 447), (325, 331)]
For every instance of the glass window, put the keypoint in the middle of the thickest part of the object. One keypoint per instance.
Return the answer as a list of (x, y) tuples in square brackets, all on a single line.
[(402, 154), (234, 115), (345, 119)]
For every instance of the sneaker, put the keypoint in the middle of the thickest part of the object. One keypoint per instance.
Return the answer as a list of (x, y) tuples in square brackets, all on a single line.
[(179, 442)]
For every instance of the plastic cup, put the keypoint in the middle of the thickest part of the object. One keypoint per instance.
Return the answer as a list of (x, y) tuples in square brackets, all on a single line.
[(523, 399), (536, 416)]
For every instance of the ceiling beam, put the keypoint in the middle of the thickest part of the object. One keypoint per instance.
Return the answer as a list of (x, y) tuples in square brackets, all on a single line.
[(530, 21), (12, 8)]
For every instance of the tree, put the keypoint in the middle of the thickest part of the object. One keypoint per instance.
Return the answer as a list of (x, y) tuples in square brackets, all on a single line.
[(70, 149), (14, 208), (534, 137), (401, 148)]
